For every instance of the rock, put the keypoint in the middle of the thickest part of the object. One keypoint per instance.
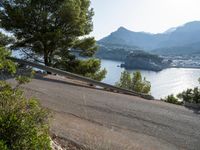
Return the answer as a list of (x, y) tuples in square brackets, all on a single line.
[(56, 146)]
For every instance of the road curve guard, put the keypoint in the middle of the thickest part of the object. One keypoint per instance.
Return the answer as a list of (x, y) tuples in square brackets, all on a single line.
[(81, 78)]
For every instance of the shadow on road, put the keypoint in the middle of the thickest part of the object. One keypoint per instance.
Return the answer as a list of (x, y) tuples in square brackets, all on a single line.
[(195, 110)]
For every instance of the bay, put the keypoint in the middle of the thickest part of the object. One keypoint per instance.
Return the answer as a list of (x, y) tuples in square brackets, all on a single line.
[(165, 82)]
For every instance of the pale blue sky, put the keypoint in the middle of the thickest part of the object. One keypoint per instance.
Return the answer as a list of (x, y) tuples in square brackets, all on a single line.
[(142, 15)]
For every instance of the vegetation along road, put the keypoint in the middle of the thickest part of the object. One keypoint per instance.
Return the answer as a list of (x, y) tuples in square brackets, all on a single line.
[(104, 119)]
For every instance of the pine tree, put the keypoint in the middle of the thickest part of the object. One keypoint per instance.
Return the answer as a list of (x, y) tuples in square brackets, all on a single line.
[(135, 83), (50, 29)]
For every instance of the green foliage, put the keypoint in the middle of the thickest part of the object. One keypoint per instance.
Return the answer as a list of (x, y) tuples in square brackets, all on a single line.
[(90, 68), (51, 29), (87, 46), (9, 67), (173, 100), (135, 83), (125, 80), (3, 146), (6, 64), (190, 95), (5, 40), (23, 122), (22, 79), (139, 84)]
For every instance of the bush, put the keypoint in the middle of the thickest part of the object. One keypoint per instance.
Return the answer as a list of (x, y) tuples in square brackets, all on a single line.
[(172, 99), (190, 95), (5, 64), (135, 83), (23, 122)]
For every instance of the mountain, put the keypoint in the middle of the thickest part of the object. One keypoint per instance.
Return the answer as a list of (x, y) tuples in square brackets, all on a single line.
[(133, 57), (188, 49), (126, 37), (183, 39)]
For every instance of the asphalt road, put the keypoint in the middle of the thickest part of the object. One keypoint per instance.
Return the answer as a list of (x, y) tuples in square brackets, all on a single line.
[(106, 120)]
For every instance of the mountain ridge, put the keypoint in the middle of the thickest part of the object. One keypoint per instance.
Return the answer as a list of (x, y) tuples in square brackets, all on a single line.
[(180, 36)]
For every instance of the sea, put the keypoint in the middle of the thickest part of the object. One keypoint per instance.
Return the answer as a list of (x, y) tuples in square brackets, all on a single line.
[(163, 83)]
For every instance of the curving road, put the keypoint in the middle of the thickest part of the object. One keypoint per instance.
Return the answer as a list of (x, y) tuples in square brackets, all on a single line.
[(103, 119)]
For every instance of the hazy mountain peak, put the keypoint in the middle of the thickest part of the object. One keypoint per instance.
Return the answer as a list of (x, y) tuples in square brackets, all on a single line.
[(192, 23), (189, 27), (122, 29)]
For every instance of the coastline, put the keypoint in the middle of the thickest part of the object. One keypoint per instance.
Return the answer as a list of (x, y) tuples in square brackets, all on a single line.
[(186, 67)]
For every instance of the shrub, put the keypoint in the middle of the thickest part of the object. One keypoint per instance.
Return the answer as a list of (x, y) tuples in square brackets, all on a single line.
[(135, 83), (6, 65), (23, 122), (190, 95), (172, 99)]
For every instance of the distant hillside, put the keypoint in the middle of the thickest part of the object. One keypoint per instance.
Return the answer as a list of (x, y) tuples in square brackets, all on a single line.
[(114, 51), (190, 49), (183, 39), (126, 37)]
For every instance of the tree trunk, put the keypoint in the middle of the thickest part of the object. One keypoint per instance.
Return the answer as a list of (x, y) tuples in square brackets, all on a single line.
[(46, 62)]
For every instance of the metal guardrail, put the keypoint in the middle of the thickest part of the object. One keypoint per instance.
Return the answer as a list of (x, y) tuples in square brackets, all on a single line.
[(81, 78)]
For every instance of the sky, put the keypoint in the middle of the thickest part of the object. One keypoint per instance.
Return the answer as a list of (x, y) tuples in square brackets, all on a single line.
[(153, 16)]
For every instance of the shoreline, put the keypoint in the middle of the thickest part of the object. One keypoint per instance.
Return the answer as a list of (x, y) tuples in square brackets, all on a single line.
[(170, 67), (186, 67)]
